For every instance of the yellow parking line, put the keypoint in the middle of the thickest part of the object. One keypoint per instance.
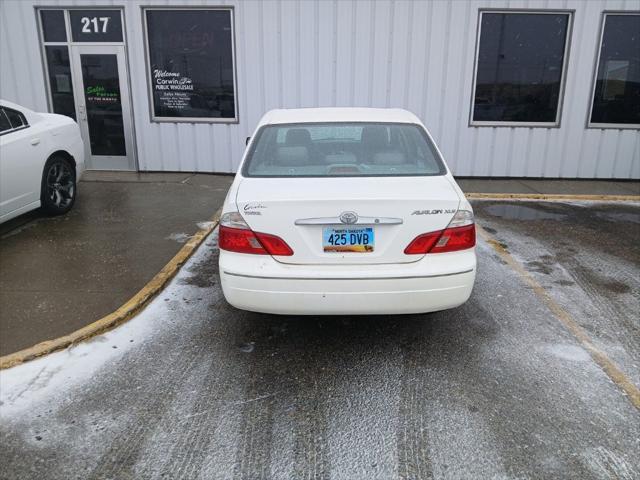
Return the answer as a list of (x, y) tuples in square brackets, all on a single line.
[(552, 197), (122, 314), (609, 367)]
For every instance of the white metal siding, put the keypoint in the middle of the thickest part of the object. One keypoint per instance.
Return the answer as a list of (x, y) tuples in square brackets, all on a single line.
[(417, 55)]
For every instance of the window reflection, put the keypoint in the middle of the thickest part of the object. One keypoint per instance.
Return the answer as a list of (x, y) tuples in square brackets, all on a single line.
[(104, 106), (519, 67), (53, 26), (617, 90), (60, 80), (191, 63)]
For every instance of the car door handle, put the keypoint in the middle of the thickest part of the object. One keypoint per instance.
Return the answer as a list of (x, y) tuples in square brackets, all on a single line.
[(35, 141)]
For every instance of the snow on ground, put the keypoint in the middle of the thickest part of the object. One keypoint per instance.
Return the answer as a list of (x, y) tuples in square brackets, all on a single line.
[(497, 388), (47, 378)]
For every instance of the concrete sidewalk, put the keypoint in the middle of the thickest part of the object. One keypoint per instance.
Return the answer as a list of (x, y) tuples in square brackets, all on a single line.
[(62, 273)]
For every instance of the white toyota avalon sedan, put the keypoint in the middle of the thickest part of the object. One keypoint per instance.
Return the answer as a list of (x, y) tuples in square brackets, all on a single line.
[(41, 159), (345, 211)]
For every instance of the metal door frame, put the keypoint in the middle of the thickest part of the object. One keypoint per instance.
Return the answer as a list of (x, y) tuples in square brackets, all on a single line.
[(109, 162)]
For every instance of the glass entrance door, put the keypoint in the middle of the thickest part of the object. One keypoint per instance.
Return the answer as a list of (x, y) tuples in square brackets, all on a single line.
[(103, 106)]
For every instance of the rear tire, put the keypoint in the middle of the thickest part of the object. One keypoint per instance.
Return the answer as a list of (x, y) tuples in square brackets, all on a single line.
[(58, 191)]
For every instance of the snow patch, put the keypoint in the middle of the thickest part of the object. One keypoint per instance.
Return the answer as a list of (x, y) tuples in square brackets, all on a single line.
[(178, 237), (572, 353), (205, 225)]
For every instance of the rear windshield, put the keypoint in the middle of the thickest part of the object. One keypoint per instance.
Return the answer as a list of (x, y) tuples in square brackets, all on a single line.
[(342, 149)]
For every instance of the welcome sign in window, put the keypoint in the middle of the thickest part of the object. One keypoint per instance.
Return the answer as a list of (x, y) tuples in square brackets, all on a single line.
[(191, 71)]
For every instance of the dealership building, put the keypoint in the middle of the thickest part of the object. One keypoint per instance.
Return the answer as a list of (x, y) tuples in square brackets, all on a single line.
[(510, 88)]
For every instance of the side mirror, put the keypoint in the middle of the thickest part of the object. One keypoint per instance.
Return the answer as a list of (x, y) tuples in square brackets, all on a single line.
[(246, 142)]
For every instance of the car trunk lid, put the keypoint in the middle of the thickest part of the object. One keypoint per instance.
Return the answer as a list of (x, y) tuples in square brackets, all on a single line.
[(298, 210)]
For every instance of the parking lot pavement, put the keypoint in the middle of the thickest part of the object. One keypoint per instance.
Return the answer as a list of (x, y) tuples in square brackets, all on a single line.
[(587, 256), (62, 273), (498, 388)]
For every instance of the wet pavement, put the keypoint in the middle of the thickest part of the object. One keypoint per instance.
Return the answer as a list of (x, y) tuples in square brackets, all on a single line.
[(588, 257), (498, 388), (62, 273)]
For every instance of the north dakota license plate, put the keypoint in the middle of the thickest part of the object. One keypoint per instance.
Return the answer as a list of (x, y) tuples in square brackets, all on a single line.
[(348, 239)]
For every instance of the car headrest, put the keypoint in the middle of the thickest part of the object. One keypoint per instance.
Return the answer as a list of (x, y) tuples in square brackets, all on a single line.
[(374, 137), (292, 156), (297, 136)]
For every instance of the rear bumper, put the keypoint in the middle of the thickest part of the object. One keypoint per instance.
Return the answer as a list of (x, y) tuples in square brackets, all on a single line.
[(261, 284)]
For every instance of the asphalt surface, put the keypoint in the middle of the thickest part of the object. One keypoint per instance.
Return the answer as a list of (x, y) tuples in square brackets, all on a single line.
[(498, 388), (588, 257), (62, 273)]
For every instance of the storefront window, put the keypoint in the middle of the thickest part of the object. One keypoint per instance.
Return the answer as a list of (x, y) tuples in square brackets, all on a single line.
[(520, 66), (60, 83), (191, 67), (616, 99)]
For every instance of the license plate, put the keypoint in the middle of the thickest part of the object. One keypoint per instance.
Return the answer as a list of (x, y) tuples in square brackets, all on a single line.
[(359, 240)]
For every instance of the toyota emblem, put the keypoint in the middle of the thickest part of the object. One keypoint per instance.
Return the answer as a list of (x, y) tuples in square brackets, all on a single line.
[(349, 217)]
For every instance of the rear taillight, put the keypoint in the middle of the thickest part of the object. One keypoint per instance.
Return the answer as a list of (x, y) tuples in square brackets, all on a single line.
[(454, 239), (274, 245), (422, 243), (460, 234), (236, 236), (240, 241)]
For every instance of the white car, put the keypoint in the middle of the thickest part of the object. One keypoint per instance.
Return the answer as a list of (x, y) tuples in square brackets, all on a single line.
[(41, 159), (345, 211)]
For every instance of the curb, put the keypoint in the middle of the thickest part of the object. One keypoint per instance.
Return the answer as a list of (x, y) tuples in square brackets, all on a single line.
[(552, 197), (122, 314)]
